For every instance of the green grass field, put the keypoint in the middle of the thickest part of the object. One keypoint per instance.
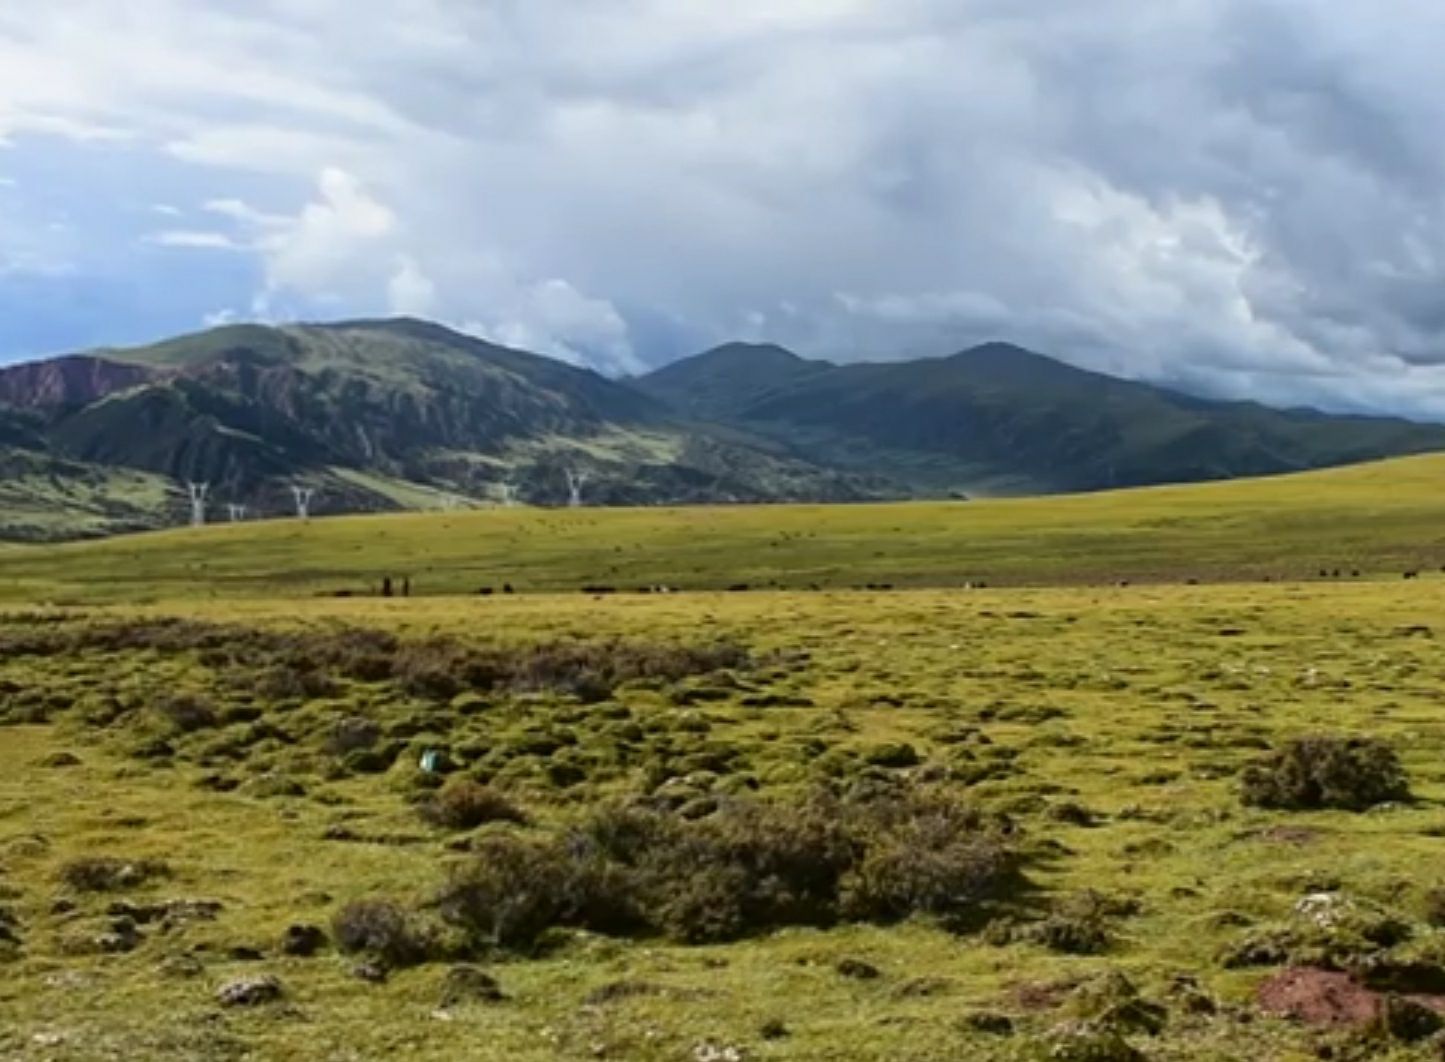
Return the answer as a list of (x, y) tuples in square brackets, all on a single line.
[(1380, 519), (207, 715)]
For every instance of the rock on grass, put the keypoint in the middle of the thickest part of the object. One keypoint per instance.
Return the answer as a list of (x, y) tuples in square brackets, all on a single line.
[(250, 991)]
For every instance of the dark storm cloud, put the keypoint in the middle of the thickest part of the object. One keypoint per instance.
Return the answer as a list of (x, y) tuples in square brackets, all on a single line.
[(1241, 196)]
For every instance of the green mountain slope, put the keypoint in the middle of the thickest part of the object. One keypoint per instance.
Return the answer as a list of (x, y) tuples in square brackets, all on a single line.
[(1000, 419), (378, 415)]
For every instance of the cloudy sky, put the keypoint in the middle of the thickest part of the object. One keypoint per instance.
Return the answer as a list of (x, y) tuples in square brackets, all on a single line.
[(1245, 197)]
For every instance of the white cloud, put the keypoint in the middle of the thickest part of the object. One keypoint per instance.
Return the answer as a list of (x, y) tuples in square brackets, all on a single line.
[(553, 317), (1236, 194), (410, 292), (193, 239), (327, 247)]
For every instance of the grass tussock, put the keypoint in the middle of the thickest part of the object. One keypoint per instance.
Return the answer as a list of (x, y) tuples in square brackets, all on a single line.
[(108, 874)]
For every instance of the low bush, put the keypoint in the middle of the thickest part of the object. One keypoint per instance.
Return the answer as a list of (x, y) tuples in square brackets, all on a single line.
[(385, 931), (1312, 773), (927, 856), (465, 805), (750, 867)]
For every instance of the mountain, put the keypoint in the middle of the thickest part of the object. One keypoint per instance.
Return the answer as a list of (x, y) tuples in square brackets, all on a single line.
[(998, 419), (723, 382), (375, 415), (405, 414)]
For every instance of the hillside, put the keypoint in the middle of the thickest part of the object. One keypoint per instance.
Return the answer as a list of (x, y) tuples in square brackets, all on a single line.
[(1378, 519), (1000, 419), (376, 415)]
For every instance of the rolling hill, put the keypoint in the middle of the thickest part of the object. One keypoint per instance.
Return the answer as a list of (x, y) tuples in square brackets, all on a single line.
[(1374, 520), (998, 419)]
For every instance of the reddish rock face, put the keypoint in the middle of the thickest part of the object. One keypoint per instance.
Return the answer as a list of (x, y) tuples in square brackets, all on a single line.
[(70, 381)]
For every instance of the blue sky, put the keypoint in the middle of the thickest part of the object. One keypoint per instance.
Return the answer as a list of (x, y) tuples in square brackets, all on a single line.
[(1241, 197)]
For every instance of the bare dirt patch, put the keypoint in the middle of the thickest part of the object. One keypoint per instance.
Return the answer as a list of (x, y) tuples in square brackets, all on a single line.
[(1327, 998)]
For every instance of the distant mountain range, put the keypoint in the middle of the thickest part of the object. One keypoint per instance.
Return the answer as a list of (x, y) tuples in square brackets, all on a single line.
[(404, 414)]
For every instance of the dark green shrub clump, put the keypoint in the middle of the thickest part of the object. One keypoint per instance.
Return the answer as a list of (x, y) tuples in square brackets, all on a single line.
[(1351, 774), (385, 931), (465, 805), (748, 868)]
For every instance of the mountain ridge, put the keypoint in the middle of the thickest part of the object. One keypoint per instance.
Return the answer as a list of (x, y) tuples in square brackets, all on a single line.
[(393, 413), (998, 418)]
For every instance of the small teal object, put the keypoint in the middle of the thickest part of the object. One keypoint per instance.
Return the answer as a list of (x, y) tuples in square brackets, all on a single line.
[(430, 761)]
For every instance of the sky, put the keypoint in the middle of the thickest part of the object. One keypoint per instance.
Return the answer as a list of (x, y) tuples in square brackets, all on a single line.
[(1244, 198)]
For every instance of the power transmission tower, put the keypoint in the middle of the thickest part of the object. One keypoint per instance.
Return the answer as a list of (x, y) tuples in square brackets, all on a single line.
[(238, 512), (575, 482), (198, 492), (303, 496)]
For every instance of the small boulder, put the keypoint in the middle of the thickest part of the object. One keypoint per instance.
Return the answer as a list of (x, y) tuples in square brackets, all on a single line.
[(250, 991)]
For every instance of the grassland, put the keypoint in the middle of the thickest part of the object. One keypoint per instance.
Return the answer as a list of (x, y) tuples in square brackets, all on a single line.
[(1102, 732), (1378, 519)]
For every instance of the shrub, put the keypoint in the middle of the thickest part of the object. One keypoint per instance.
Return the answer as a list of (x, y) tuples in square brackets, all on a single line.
[(465, 805), (749, 867), (707, 905), (384, 930), (1352, 774), (513, 891), (928, 857)]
